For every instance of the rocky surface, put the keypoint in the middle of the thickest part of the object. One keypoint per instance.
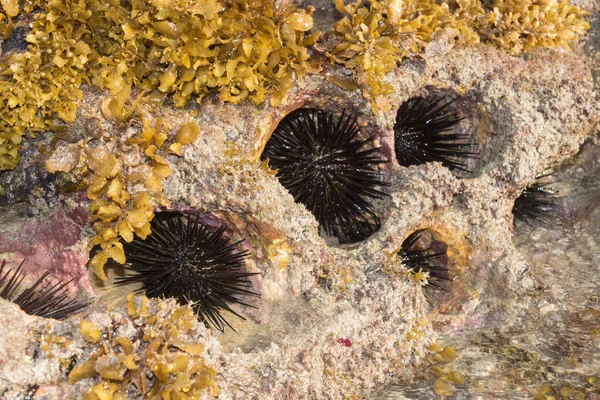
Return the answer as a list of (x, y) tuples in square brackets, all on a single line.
[(330, 322)]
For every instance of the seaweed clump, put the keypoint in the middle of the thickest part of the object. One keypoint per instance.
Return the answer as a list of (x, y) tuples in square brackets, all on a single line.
[(371, 40), (123, 179), (167, 361), (184, 50), (122, 175), (370, 46), (240, 49), (40, 86), (519, 26)]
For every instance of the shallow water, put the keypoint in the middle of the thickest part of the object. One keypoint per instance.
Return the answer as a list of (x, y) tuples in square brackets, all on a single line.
[(544, 344)]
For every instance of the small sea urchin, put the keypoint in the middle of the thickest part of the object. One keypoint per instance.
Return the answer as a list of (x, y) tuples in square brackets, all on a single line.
[(321, 161), (423, 133), (182, 258), (538, 201), (40, 299), (416, 256)]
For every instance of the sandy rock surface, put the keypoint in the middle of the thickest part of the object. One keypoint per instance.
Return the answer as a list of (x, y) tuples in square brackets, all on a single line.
[(330, 322)]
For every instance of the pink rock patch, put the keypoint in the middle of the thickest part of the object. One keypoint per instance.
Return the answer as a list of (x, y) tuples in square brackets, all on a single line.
[(46, 243)]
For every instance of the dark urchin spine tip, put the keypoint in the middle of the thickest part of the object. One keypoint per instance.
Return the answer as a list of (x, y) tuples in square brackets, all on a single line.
[(40, 299), (184, 259), (416, 256), (323, 163), (537, 203), (424, 133)]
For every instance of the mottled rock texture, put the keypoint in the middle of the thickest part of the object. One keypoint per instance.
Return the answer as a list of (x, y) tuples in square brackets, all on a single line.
[(330, 322)]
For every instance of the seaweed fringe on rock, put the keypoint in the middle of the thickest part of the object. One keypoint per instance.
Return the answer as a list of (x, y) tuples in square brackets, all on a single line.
[(373, 39), (240, 49), (184, 49), (123, 179), (153, 49), (167, 361)]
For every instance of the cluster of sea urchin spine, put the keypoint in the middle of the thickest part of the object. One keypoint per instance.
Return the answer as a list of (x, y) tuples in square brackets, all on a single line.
[(418, 256), (321, 161), (424, 133), (537, 203), (325, 164), (184, 259), (40, 299)]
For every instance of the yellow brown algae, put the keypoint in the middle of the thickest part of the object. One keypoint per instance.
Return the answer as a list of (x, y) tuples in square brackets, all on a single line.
[(371, 40), (302, 319), (356, 333), (66, 45), (174, 49), (123, 214), (371, 47), (166, 361), (240, 49), (123, 178), (158, 350)]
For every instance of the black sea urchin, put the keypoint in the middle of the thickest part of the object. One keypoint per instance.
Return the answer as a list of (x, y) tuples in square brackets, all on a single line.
[(538, 201), (184, 259), (416, 256), (423, 134), (40, 299), (323, 164)]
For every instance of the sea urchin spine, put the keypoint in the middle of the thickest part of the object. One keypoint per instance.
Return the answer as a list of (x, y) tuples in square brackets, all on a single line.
[(538, 201), (322, 163), (417, 257), (423, 133), (182, 258), (40, 299)]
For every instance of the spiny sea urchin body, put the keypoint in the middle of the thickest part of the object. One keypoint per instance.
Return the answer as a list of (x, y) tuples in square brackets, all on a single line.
[(40, 299), (184, 259), (322, 162), (424, 133), (417, 255), (538, 201)]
